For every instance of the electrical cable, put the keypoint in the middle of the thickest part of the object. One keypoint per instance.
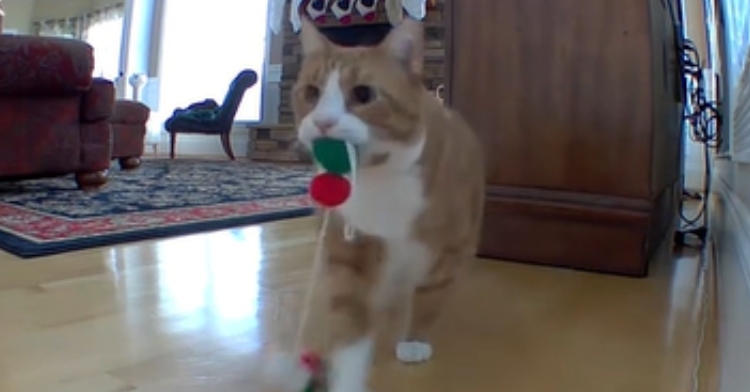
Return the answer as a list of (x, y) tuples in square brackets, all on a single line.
[(702, 120)]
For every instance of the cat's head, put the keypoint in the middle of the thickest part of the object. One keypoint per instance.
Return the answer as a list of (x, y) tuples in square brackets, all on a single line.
[(369, 96)]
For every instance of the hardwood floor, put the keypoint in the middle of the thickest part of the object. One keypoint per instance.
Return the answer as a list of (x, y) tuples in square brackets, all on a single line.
[(194, 314)]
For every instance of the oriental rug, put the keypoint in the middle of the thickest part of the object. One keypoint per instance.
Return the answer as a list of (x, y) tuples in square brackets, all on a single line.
[(162, 198)]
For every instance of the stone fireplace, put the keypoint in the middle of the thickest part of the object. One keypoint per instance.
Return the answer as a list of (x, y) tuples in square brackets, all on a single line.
[(276, 142)]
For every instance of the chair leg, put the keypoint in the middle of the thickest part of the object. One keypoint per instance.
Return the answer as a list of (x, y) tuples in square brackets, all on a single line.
[(172, 143), (130, 163), (227, 145)]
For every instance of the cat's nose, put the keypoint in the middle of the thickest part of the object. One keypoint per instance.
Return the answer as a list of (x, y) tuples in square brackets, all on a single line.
[(324, 125)]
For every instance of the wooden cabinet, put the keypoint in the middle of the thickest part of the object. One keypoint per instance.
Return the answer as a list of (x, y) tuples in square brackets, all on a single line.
[(577, 103)]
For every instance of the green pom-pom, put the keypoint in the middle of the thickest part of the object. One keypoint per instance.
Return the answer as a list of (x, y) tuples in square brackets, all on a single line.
[(332, 155)]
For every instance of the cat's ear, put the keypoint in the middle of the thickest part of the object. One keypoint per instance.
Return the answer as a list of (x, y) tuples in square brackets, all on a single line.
[(406, 43), (312, 40)]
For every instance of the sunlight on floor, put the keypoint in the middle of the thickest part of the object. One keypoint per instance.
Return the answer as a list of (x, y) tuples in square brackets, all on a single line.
[(196, 313)]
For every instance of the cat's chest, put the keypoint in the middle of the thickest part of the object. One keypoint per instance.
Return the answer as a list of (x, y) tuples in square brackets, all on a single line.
[(385, 203)]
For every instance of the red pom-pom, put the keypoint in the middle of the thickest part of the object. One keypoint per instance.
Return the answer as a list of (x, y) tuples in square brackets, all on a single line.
[(312, 361), (330, 190)]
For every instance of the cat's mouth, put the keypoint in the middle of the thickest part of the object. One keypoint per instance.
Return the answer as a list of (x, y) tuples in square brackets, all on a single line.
[(361, 155), (325, 148)]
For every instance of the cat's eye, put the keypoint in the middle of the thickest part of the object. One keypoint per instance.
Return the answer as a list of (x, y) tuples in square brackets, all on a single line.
[(311, 93), (362, 94)]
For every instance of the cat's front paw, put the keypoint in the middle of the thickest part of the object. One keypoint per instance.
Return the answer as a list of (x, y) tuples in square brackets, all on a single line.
[(411, 352)]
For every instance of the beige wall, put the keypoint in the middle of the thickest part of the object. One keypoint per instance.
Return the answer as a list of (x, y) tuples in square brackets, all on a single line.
[(18, 15), (695, 26), (50, 9), (22, 13), (695, 21)]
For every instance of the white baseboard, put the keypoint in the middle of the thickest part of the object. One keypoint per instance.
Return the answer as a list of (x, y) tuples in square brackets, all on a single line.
[(205, 145)]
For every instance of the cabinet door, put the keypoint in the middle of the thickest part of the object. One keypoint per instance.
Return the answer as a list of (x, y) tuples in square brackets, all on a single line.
[(559, 90), (560, 93)]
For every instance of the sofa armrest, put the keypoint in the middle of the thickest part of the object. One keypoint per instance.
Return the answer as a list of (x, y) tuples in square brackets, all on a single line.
[(130, 112), (99, 102), (44, 66)]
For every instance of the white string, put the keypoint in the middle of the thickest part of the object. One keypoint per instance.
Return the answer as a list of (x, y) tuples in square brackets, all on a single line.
[(349, 231), (319, 259), (318, 264)]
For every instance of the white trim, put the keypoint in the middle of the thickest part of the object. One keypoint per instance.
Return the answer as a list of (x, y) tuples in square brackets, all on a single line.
[(273, 72), (739, 223), (740, 116), (733, 262)]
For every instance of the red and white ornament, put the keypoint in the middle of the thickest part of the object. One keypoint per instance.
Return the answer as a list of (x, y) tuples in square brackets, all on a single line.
[(317, 10), (342, 10), (368, 9)]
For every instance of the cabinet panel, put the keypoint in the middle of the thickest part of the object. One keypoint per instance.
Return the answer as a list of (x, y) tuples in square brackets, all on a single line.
[(576, 113), (560, 91)]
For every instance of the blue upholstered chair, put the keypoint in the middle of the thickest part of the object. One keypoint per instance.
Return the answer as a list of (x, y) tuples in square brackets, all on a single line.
[(210, 118)]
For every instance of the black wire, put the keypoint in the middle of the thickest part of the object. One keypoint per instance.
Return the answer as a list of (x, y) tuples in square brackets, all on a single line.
[(700, 116), (703, 121)]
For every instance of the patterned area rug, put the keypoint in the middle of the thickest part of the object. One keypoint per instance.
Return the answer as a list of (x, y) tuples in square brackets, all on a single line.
[(162, 198)]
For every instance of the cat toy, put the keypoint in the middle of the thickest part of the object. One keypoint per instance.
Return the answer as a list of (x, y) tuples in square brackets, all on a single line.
[(333, 185), (330, 188), (305, 373)]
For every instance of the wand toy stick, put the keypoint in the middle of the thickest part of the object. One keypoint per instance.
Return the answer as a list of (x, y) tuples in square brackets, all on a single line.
[(330, 188)]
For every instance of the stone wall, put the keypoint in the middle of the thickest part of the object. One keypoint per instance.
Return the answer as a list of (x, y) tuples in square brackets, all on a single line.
[(275, 143)]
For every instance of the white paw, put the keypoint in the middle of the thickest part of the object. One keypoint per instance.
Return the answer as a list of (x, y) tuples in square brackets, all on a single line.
[(413, 352)]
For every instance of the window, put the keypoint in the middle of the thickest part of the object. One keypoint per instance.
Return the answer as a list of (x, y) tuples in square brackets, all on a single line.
[(105, 35), (205, 46), (101, 28)]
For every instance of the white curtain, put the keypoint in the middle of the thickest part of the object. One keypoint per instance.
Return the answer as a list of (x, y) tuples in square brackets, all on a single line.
[(204, 46), (65, 27), (103, 30)]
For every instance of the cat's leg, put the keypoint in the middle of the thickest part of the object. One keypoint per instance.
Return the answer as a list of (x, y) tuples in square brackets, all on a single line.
[(351, 334), (424, 310)]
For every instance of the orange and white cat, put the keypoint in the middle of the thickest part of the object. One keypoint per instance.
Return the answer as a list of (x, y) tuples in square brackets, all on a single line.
[(416, 206)]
